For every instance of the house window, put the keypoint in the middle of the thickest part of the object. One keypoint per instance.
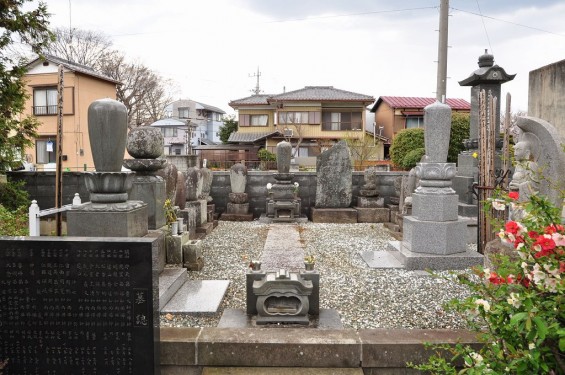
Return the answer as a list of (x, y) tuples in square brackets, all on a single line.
[(45, 151), (342, 120), (299, 118), (414, 122), (45, 101), (218, 116), (169, 132), (183, 112), (253, 120), (177, 151)]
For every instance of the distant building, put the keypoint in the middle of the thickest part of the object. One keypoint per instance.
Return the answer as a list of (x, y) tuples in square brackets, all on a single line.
[(82, 86), (312, 118), (396, 113)]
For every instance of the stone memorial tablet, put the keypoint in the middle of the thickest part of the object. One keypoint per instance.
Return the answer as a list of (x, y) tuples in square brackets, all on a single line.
[(78, 305)]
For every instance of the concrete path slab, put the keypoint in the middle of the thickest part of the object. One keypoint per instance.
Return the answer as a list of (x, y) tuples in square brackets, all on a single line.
[(381, 259), (197, 297), (283, 249), (280, 371)]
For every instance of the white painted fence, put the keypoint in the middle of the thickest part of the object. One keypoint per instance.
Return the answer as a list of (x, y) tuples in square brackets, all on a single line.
[(35, 214)]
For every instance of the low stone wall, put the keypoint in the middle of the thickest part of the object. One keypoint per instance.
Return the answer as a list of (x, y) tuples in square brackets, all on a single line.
[(41, 187), (376, 351)]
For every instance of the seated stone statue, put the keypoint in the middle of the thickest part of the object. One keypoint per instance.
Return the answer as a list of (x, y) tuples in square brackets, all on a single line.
[(525, 178)]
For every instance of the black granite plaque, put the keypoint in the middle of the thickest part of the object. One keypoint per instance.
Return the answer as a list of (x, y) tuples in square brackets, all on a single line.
[(78, 305)]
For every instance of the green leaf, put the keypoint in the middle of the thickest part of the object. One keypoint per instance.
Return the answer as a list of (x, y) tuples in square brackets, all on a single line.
[(542, 327), (529, 324), (516, 318), (562, 344)]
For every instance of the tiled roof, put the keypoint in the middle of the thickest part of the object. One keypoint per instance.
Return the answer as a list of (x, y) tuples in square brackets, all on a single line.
[(211, 108), (249, 137), (418, 102), (75, 67), (321, 93), (168, 122), (251, 100)]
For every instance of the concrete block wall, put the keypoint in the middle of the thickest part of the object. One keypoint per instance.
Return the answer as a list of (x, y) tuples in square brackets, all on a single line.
[(41, 187)]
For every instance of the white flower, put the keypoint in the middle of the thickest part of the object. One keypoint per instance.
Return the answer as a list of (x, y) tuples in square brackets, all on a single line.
[(296, 184), (498, 205), (538, 274), (476, 357), (483, 303), (269, 186), (514, 300), (531, 346)]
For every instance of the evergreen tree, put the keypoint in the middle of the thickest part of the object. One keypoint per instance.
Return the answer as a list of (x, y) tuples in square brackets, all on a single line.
[(17, 27), (230, 126)]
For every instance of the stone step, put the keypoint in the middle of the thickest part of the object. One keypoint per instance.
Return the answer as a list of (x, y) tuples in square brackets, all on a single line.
[(280, 371), (197, 297), (170, 280)]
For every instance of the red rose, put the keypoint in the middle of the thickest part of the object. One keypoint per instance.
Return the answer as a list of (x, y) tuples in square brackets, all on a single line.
[(514, 195), (512, 227), (545, 243)]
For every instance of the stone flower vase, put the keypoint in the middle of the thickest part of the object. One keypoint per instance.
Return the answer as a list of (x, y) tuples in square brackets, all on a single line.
[(174, 228), (309, 266)]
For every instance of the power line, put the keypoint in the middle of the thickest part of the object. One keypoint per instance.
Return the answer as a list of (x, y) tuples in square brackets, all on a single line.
[(352, 14), (510, 22), (485, 27)]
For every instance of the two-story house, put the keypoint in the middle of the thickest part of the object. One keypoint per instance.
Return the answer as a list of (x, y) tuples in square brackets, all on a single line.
[(312, 118), (395, 113), (82, 86)]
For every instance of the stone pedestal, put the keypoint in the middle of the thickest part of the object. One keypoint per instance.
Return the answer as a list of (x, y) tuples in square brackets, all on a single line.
[(174, 244), (238, 208), (151, 190), (372, 215), (334, 215), (192, 255), (199, 207), (127, 219)]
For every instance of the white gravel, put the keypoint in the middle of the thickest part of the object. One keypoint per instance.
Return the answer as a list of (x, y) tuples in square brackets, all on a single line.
[(364, 297)]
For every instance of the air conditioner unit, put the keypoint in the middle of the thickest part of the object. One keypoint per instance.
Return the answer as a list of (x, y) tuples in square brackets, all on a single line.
[(288, 132)]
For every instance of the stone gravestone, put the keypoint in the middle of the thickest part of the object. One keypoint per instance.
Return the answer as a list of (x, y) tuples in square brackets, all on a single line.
[(370, 208), (334, 186), (435, 237), (238, 207), (79, 306)]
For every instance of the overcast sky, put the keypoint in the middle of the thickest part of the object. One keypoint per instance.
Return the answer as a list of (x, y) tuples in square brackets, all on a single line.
[(212, 48)]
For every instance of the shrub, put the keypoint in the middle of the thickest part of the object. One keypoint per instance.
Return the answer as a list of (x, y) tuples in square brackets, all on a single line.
[(519, 308), (13, 195), (460, 127), (14, 223), (412, 158), (266, 155), (404, 142)]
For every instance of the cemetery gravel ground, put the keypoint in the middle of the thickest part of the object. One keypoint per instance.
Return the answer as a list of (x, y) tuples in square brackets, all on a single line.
[(363, 297)]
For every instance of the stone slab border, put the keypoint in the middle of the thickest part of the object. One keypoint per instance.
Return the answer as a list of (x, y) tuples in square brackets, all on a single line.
[(376, 351)]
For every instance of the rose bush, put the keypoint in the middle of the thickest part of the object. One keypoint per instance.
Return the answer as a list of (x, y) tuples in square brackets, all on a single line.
[(518, 308)]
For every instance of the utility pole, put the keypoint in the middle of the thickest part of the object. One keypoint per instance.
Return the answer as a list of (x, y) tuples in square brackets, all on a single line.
[(59, 154), (256, 90), (442, 51)]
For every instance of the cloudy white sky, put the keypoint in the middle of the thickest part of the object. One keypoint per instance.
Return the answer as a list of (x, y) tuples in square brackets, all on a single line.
[(211, 48)]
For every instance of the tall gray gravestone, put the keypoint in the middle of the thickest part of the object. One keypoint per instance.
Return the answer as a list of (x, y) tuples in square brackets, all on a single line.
[(334, 186), (109, 212), (435, 237), (238, 206)]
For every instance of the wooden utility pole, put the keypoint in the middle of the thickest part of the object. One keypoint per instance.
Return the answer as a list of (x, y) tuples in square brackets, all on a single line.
[(59, 154), (442, 51), (506, 143)]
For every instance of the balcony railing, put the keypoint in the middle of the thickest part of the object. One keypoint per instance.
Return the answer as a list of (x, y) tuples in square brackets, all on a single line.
[(342, 126), (42, 110)]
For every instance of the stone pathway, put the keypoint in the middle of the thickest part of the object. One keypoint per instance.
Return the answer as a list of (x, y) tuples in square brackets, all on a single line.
[(283, 249)]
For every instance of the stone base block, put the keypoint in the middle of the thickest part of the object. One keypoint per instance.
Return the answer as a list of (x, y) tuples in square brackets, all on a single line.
[(133, 223), (397, 218), (237, 208), (430, 237), (434, 207), (199, 207), (189, 214), (191, 251), (215, 223), (372, 215), (436, 262), (151, 190), (370, 202), (334, 215), (469, 210), (392, 207), (236, 217), (174, 247), (205, 228)]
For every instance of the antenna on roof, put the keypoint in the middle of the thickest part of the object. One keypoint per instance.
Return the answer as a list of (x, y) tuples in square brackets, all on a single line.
[(256, 90)]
